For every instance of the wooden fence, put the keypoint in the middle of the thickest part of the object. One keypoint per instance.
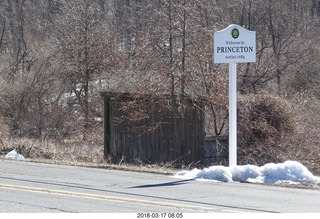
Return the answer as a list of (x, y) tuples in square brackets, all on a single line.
[(152, 129)]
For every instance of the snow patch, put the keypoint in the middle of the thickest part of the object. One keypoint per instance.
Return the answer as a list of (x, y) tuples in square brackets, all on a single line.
[(271, 173), (14, 154)]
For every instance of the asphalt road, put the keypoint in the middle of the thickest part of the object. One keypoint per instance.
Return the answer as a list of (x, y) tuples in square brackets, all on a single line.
[(40, 188)]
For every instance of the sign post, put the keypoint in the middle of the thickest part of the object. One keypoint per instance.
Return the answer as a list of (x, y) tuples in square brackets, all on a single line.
[(232, 45), (232, 114)]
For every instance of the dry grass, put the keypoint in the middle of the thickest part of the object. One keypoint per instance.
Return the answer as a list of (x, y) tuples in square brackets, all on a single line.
[(74, 152), (292, 133), (55, 150)]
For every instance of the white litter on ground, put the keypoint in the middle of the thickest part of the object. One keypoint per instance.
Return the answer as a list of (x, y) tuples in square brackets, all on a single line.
[(14, 154)]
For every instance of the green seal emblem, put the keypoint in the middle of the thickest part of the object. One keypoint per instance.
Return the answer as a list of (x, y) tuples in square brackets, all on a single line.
[(235, 33)]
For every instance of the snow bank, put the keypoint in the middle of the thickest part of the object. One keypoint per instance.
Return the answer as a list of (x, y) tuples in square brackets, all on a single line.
[(289, 171)]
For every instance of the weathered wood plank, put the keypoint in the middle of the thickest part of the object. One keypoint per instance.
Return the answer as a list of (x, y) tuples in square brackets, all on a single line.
[(155, 138)]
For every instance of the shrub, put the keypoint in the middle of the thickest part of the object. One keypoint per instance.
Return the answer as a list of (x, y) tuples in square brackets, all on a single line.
[(264, 123)]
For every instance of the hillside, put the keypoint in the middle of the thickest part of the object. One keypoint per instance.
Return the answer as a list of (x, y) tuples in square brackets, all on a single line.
[(57, 55)]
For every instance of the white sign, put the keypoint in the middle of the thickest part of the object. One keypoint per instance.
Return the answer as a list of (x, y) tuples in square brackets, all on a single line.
[(234, 44)]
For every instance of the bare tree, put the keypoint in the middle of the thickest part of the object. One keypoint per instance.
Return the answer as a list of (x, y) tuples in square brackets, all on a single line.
[(167, 47), (86, 51)]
